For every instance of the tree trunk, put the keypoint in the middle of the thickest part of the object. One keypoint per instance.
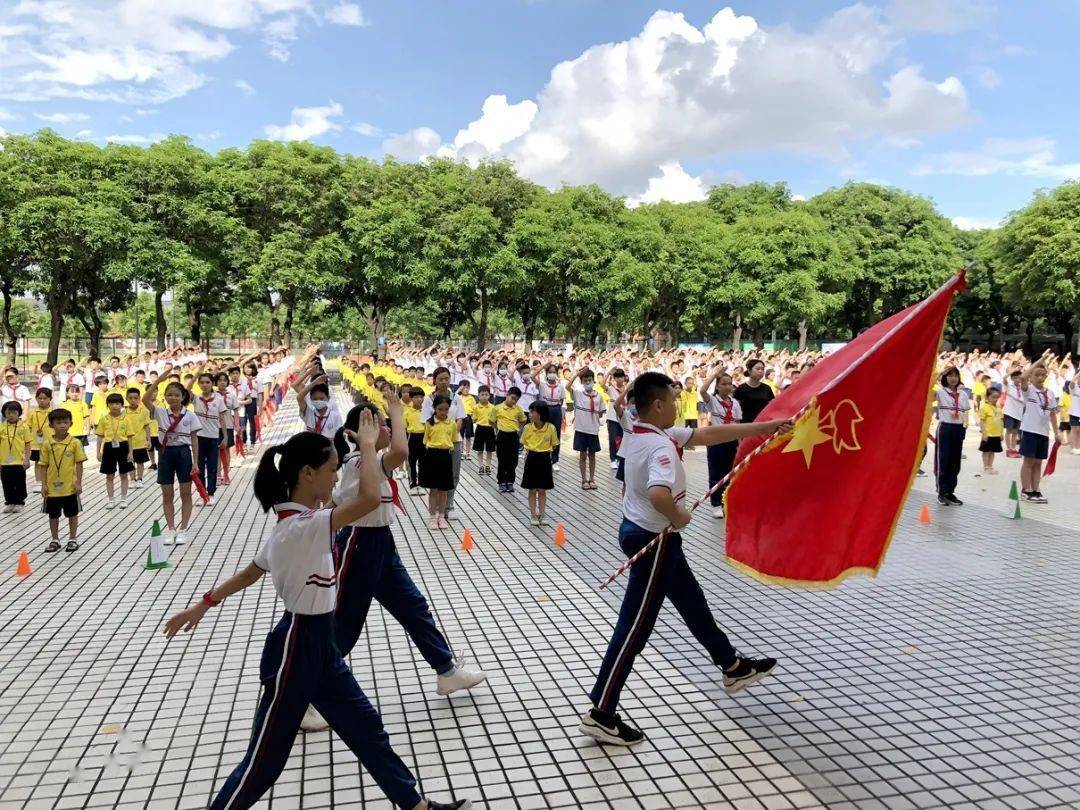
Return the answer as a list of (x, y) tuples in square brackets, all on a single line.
[(736, 337), (159, 318), (1029, 341), (11, 340), (56, 327), (802, 335), (481, 329), (195, 324), (530, 328), (290, 310), (275, 325)]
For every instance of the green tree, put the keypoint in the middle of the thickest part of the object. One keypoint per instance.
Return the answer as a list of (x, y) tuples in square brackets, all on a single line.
[(732, 203)]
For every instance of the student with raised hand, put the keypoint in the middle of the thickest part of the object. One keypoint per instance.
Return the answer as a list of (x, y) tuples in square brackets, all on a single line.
[(301, 664), (655, 490)]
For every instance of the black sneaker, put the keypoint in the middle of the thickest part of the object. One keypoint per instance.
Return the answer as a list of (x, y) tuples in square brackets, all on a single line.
[(462, 804), (1038, 497), (954, 500), (748, 671), (1027, 497), (944, 500), (608, 728), (921, 473)]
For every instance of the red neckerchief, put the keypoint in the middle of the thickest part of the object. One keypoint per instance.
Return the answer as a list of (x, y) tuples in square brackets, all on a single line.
[(551, 398), (206, 404), (319, 422), (639, 428), (395, 495), (287, 513), (176, 420), (956, 401), (14, 389), (728, 415), (1044, 399)]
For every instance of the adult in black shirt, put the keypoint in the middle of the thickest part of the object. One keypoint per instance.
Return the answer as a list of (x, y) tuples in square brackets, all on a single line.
[(753, 395)]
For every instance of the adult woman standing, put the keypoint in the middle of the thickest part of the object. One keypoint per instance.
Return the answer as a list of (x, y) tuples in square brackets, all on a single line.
[(753, 395)]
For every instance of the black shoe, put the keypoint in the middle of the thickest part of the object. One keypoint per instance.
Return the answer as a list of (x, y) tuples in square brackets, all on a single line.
[(921, 473), (954, 500), (608, 728), (748, 671), (461, 804), (1038, 497), (944, 500)]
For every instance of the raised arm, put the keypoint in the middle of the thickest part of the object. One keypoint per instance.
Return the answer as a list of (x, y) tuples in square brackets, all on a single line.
[(398, 450), (369, 487)]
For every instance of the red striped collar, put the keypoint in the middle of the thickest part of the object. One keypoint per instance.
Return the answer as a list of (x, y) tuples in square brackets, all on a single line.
[(289, 509)]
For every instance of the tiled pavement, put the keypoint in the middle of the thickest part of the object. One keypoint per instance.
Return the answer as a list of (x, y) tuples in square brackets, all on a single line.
[(953, 680)]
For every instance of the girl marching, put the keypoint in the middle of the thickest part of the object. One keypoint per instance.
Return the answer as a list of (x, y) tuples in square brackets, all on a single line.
[(301, 664)]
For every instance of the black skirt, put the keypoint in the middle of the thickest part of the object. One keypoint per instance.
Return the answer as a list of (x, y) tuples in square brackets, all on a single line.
[(436, 470), (991, 444), (537, 473)]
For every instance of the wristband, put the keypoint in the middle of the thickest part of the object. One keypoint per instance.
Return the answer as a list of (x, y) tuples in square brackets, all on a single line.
[(208, 600)]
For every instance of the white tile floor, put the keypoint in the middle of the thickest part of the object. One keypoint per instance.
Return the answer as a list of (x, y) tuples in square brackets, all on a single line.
[(950, 681)]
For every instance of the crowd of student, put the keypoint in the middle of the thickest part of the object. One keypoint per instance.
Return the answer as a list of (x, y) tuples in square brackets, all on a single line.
[(419, 414)]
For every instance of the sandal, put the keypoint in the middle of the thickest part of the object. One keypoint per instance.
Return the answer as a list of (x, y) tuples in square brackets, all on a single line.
[(71, 546), (592, 485), (584, 484), (53, 546)]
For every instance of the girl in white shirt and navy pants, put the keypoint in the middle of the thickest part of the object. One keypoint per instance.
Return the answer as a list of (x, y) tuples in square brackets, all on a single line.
[(300, 662), (953, 404)]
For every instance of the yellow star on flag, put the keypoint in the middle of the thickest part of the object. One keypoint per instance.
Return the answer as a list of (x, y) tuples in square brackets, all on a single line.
[(806, 435)]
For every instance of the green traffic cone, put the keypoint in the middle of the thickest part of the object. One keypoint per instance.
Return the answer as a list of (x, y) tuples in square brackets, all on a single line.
[(1012, 505), (156, 558)]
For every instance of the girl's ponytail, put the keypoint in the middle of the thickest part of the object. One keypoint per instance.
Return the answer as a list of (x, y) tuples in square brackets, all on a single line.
[(274, 482), (342, 444)]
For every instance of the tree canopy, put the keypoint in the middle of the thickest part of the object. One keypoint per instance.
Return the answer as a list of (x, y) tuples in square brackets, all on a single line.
[(294, 240)]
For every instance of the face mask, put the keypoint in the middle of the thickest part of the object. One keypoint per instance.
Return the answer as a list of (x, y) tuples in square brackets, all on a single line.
[(320, 404), (552, 377), (632, 410), (503, 372), (588, 386)]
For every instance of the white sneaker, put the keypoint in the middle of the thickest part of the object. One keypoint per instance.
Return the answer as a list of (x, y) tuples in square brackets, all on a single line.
[(718, 512), (168, 537), (9, 508), (180, 538), (17, 508), (212, 501), (123, 502), (110, 503), (535, 520), (313, 721), (555, 466), (614, 465), (457, 679), (36, 487)]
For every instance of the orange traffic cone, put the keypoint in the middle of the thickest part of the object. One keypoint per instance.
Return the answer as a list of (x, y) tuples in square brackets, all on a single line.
[(466, 541), (560, 535), (924, 515), (23, 568)]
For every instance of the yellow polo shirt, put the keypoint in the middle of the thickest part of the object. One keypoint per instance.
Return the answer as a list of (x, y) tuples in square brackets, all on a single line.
[(60, 458)]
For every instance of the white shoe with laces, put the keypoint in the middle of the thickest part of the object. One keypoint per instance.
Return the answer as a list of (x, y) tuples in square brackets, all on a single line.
[(614, 465), (718, 512), (180, 538), (555, 466), (110, 503), (313, 721), (458, 678)]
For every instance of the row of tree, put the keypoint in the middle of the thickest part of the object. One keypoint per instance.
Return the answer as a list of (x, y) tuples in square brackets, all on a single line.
[(306, 239)]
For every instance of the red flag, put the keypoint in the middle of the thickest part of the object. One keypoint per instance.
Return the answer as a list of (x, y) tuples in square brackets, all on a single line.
[(1051, 463), (822, 502), (200, 487)]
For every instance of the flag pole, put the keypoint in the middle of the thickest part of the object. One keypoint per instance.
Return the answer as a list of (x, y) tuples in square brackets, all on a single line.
[(667, 529)]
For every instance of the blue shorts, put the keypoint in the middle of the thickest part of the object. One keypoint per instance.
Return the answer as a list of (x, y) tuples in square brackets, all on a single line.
[(174, 460), (1074, 421), (1034, 445), (1012, 423), (586, 442)]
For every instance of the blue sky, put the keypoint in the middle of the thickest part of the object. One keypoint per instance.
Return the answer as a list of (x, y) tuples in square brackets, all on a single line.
[(969, 102)]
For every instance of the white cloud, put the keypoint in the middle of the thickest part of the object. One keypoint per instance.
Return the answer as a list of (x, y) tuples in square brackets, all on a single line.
[(135, 139), (620, 111), (132, 51), (144, 113), (413, 145), (7, 115), (975, 223), (367, 130), (306, 123), (938, 16), (244, 87), (84, 133), (1033, 157), (346, 14), (986, 76), (674, 185), (3, 132), (62, 118)]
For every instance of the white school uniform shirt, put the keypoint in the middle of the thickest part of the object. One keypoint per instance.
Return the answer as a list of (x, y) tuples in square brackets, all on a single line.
[(553, 395), (1074, 398), (298, 554), (325, 423), (529, 392), (500, 385), (609, 412), (46, 381), (723, 411), (1014, 400), (180, 434), (238, 392), (349, 481), (457, 408), (209, 411), (994, 375), (1040, 405), (626, 422), (653, 458), (951, 407), (15, 393), (74, 378), (588, 409)]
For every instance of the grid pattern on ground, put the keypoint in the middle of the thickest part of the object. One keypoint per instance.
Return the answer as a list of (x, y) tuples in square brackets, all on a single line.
[(910, 691)]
